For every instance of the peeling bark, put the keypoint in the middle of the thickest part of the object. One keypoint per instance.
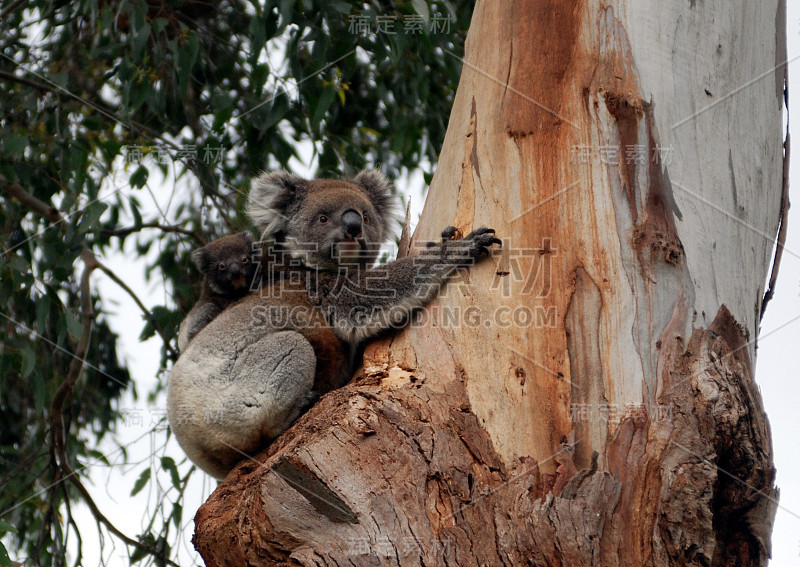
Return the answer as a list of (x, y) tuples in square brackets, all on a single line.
[(586, 397)]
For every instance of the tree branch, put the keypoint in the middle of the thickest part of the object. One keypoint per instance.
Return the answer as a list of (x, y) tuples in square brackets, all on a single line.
[(10, 8), (58, 432), (58, 438), (147, 313), (29, 201), (107, 112), (79, 356), (148, 133), (121, 232), (90, 260), (781, 241), (73, 477)]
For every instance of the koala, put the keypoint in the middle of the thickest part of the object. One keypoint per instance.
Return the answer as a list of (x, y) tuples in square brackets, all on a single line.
[(265, 359), (228, 272)]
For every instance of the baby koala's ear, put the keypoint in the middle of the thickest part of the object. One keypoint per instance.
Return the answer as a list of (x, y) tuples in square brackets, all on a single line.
[(201, 259), (247, 238)]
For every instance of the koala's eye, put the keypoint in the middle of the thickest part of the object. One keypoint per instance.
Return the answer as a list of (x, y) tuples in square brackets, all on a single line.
[(245, 260), (221, 266), (365, 217), (323, 219)]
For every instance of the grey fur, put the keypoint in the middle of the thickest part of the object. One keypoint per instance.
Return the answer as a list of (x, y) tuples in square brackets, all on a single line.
[(265, 206), (263, 370), (227, 392), (201, 315)]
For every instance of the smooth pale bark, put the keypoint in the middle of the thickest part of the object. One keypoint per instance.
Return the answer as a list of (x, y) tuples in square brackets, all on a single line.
[(586, 396)]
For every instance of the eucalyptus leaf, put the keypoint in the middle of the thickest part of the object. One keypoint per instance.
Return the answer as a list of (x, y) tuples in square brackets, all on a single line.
[(74, 325), (141, 482), (14, 144), (168, 464), (6, 527), (138, 179), (5, 560), (28, 361), (323, 104)]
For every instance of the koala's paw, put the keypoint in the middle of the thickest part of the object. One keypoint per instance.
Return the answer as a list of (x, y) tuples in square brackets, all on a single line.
[(475, 245), (482, 238)]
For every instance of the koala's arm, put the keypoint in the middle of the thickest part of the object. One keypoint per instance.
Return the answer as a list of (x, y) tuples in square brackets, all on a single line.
[(201, 315), (388, 294)]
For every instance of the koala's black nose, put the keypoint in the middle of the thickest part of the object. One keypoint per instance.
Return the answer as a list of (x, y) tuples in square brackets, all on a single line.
[(352, 223), (234, 269)]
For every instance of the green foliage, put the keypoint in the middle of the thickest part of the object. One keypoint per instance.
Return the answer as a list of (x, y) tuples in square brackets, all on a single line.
[(203, 94), (5, 560)]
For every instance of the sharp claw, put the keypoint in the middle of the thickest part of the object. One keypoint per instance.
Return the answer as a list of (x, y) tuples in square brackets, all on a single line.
[(449, 232), (486, 240), (478, 232)]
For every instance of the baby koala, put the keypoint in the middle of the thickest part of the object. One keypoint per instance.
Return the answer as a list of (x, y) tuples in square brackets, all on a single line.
[(228, 270)]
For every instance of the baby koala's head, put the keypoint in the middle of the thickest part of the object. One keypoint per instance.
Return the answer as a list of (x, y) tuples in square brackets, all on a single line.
[(227, 264)]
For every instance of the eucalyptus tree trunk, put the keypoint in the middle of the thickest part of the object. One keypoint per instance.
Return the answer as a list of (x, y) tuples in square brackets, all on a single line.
[(586, 396)]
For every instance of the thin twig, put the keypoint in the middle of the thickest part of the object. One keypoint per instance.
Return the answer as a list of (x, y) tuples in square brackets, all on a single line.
[(784, 211), (121, 232), (56, 89), (10, 8), (58, 434), (106, 522), (147, 313), (71, 522), (784, 216)]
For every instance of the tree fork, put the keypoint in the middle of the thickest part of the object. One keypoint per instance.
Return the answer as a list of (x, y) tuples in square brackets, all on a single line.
[(625, 428)]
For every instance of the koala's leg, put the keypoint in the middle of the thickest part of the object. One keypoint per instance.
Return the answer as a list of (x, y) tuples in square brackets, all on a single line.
[(225, 407), (272, 385)]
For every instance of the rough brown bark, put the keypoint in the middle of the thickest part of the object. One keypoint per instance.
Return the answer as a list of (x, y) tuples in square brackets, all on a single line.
[(587, 396)]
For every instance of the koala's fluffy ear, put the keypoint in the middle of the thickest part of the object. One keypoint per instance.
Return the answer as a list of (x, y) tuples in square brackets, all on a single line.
[(201, 259), (248, 238), (379, 189), (271, 194)]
